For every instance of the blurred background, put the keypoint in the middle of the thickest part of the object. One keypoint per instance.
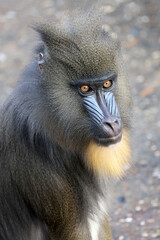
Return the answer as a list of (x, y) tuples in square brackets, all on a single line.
[(135, 212)]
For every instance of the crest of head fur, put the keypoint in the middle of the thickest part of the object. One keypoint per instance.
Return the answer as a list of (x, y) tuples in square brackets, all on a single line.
[(80, 44)]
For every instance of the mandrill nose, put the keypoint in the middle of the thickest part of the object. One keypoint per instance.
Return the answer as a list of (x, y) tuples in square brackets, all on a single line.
[(112, 126)]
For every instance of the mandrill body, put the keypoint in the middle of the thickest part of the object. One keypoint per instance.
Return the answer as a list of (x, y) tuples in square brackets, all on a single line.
[(64, 136)]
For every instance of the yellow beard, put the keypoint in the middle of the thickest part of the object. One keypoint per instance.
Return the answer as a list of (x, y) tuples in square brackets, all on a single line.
[(111, 159)]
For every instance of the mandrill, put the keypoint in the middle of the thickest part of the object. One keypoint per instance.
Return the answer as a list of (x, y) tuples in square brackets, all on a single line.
[(64, 135)]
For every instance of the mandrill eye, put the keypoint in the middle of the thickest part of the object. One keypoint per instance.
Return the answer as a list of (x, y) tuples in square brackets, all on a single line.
[(85, 88), (107, 84)]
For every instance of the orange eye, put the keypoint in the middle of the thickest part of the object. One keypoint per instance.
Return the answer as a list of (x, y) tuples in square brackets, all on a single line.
[(107, 84), (85, 88)]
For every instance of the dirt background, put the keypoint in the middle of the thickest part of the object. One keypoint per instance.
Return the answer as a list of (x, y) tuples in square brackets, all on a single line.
[(135, 210)]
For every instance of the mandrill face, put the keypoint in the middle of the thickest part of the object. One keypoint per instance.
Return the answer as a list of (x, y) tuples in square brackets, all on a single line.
[(100, 104), (88, 92)]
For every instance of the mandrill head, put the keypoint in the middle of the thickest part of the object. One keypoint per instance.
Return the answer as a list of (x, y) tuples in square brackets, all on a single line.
[(87, 91)]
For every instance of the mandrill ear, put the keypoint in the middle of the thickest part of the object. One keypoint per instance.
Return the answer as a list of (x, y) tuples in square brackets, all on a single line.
[(47, 36), (41, 62)]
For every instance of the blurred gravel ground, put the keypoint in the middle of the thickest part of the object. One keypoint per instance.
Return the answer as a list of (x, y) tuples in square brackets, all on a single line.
[(135, 210)]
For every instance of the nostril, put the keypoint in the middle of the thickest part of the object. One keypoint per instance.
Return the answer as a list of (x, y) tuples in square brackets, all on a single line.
[(110, 124), (113, 124), (117, 122)]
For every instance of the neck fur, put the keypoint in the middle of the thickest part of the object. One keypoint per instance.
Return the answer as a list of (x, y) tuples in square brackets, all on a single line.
[(111, 159)]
